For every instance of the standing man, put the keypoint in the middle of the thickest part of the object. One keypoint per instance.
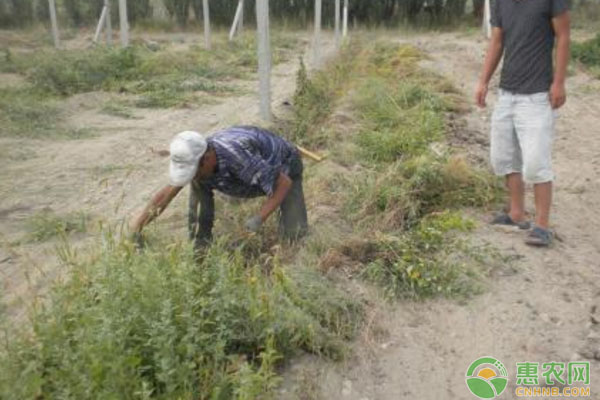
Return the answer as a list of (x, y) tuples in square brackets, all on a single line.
[(525, 31), (243, 162)]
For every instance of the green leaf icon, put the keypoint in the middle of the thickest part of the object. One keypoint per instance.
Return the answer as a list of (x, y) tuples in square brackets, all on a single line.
[(481, 388), (499, 384)]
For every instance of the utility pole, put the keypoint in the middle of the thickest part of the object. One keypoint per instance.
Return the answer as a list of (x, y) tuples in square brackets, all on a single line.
[(206, 12), (54, 23), (124, 23), (264, 58), (108, 23), (487, 26), (317, 39), (345, 25), (337, 23)]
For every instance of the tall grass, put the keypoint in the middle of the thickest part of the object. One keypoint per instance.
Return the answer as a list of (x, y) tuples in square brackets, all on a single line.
[(405, 184), (162, 325)]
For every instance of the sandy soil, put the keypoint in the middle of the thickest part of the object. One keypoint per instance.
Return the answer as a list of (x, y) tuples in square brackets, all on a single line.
[(541, 308)]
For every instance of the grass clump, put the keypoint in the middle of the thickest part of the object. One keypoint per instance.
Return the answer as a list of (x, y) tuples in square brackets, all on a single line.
[(398, 121), (588, 52), (315, 97), (27, 113), (46, 225), (162, 325), (430, 260), (397, 196)]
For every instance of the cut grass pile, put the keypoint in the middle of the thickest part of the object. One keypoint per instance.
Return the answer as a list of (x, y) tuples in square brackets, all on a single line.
[(162, 325)]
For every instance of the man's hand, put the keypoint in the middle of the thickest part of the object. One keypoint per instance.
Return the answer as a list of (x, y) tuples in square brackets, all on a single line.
[(253, 224), (558, 95), (138, 240), (481, 94)]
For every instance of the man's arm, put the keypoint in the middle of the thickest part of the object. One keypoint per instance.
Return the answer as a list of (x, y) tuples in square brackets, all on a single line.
[(201, 228), (282, 187), (155, 207), (562, 29), (492, 59)]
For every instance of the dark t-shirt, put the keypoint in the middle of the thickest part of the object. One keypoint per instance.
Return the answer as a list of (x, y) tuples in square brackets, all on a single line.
[(528, 39)]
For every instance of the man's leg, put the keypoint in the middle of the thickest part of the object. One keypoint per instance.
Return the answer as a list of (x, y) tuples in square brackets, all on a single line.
[(293, 223), (543, 201), (516, 192), (534, 122), (505, 156)]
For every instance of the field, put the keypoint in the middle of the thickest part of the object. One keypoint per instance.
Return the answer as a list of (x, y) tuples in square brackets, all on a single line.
[(400, 283)]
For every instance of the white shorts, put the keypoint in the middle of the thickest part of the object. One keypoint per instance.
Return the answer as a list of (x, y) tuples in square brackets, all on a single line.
[(522, 136)]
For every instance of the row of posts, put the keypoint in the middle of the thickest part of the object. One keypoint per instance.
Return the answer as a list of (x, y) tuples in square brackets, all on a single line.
[(263, 37)]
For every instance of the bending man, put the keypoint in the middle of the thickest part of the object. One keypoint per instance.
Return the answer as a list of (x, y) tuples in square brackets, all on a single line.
[(243, 162)]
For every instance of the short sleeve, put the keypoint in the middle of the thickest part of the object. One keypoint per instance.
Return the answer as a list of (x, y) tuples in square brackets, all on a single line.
[(495, 15), (558, 7)]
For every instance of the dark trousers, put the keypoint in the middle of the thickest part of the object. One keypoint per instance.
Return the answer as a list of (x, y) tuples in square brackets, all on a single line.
[(293, 220)]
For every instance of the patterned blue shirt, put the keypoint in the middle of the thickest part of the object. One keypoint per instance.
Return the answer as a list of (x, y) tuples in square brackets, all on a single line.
[(249, 161)]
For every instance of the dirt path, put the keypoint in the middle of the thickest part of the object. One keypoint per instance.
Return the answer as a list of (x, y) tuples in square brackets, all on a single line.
[(536, 310)]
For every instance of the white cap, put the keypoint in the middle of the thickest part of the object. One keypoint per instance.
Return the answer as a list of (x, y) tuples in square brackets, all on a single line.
[(186, 150)]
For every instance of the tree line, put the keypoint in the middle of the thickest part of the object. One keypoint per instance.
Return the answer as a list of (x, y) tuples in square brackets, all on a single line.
[(78, 13)]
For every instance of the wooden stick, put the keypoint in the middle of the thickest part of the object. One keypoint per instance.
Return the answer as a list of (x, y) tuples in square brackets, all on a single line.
[(309, 154)]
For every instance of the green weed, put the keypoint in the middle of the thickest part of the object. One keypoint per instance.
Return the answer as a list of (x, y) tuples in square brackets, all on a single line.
[(117, 109), (27, 113), (588, 52), (47, 225), (405, 191), (431, 259), (162, 325), (315, 97), (397, 121), (163, 77)]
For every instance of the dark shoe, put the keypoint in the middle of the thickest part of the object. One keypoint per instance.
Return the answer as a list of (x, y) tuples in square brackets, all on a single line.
[(539, 237), (505, 219)]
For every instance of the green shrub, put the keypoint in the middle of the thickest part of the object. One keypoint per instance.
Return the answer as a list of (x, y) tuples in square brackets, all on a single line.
[(161, 325)]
